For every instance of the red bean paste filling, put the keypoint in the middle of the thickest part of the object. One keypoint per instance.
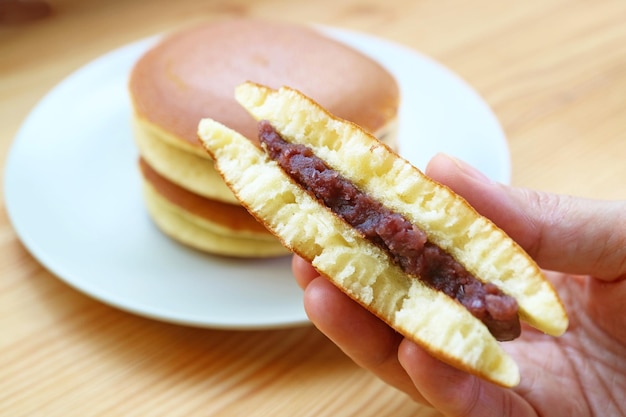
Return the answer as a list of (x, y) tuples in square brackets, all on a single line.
[(407, 246)]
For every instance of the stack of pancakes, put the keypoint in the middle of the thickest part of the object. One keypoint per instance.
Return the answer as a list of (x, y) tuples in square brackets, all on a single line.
[(192, 74)]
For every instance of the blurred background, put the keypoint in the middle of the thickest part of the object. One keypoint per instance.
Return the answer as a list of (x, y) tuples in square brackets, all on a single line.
[(531, 61)]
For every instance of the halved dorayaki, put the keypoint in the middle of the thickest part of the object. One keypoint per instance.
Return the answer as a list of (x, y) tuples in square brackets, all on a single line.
[(405, 247)]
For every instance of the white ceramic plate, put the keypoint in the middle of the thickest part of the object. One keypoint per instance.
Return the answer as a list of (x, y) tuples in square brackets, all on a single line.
[(73, 192)]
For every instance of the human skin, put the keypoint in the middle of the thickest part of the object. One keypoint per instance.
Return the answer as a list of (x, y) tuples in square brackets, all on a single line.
[(582, 373)]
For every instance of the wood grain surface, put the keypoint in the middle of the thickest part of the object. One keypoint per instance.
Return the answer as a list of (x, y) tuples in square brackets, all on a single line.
[(553, 71)]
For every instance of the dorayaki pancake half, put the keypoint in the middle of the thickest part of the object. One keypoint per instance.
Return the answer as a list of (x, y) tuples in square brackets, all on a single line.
[(383, 232), (191, 74)]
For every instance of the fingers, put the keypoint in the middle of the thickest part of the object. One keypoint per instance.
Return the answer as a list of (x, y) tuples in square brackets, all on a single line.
[(456, 393), (369, 342), (563, 233), (303, 271), (376, 347)]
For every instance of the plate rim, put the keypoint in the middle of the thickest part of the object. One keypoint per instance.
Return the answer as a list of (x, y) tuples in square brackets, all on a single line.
[(140, 46)]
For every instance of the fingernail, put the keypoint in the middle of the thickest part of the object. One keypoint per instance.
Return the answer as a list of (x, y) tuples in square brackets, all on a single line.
[(470, 171)]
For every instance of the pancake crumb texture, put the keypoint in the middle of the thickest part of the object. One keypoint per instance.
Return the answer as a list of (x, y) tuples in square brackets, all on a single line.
[(355, 265), (485, 250)]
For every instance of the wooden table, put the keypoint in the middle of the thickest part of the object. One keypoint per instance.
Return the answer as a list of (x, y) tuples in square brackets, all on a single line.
[(554, 72)]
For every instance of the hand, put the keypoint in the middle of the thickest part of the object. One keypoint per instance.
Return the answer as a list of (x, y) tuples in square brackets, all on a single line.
[(581, 373)]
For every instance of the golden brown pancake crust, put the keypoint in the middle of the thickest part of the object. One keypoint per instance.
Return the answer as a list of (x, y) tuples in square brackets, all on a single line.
[(230, 216), (192, 74)]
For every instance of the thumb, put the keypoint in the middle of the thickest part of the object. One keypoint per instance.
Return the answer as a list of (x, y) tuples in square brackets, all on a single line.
[(563, 233)]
